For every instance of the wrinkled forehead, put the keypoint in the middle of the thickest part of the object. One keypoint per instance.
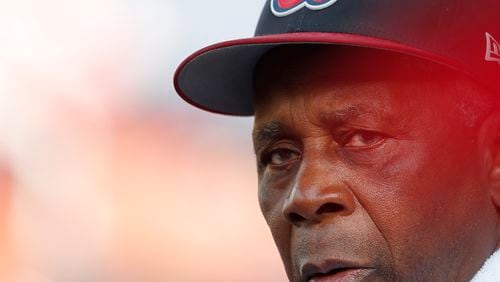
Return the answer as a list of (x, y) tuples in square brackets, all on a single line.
[(345, 73), (292, 65)]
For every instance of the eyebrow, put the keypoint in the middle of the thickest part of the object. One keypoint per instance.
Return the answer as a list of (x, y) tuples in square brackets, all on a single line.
[(274, 130), (269, 131)]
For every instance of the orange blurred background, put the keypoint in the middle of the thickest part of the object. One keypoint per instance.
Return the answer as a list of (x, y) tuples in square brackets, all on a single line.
[(105, 174)]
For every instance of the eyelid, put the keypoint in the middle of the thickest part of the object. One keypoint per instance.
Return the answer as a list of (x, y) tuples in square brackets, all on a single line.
[(347, 135), (266, 153)]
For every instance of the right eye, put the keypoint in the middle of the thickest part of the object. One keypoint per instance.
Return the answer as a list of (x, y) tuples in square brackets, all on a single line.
[(281, 157)]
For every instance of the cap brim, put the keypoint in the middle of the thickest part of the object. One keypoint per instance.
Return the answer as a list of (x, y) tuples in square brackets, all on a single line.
[(219, 78)]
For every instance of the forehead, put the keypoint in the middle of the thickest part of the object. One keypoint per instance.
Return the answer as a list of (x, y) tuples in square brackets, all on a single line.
[(325, 78), (346, 64)]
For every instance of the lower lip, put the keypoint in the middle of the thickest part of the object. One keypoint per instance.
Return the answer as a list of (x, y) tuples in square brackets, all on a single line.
[(355, 274)]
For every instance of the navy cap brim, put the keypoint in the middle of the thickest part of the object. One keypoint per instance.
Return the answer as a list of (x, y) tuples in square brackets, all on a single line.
[(219, 78)]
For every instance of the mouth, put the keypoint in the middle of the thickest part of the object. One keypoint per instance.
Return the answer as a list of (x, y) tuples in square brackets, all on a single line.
[(333, 270)]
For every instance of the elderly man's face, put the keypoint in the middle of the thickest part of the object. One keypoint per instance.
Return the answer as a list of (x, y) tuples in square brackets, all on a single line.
[(367, 174)]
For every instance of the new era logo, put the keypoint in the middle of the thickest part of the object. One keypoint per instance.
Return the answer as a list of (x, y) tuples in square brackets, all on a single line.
[(492, 49), (281, 8)]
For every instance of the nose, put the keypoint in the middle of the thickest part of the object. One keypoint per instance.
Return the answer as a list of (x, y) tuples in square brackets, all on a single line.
[(318, 193)]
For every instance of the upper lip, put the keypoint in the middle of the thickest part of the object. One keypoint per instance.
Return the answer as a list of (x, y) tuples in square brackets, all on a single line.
[(311, 269)]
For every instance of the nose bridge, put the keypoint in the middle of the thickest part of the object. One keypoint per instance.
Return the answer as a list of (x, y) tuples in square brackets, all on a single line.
[(319, 191)]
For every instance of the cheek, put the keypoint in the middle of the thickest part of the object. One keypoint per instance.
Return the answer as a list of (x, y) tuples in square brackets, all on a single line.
[(271, 201), (272, 194), (419, 198)]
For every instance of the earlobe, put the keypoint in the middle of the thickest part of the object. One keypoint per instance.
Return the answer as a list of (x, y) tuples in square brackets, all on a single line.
[(495, 180), (495, 192), (490, 136)]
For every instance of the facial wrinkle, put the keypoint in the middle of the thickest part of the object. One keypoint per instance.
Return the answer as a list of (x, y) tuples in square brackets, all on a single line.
[(374, 222)]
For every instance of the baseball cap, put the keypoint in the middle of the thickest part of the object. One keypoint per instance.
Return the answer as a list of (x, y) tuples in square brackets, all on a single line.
[(460, 34)]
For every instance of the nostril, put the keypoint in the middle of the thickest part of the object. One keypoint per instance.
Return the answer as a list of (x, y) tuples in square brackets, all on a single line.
[(330, 208), (295, 217)]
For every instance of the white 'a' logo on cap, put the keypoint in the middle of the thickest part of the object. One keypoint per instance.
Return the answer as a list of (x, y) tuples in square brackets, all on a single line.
[(492, 49)]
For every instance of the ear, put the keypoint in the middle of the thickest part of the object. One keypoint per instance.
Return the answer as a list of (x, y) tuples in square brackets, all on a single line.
[(489, 136)]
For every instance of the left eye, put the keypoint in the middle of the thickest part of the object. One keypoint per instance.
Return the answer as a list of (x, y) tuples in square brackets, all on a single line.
[(362, 139)]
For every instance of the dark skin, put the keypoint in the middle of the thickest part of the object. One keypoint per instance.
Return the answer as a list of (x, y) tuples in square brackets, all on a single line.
[(371, 172)]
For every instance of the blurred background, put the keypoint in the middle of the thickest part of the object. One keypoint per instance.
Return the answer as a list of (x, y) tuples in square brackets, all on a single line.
[(105, 174)]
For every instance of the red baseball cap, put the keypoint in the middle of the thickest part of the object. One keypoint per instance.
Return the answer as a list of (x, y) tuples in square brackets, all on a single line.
[(459, 34)]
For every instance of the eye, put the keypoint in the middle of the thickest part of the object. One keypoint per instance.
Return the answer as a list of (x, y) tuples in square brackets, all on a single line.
[(281, 157), (362, 138)]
